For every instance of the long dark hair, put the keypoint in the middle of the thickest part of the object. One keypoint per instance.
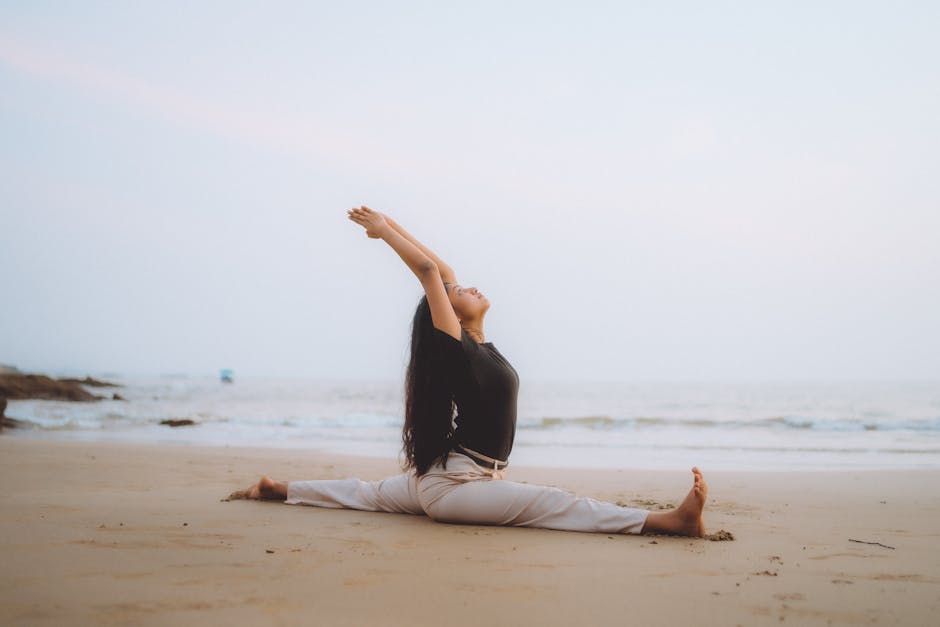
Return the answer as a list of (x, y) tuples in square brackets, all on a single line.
[(427, 435)]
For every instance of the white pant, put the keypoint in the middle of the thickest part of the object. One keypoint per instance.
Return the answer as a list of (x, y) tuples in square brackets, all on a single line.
[(467, 493)]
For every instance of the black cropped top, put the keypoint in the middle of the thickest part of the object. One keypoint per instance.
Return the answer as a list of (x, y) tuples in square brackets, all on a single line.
[(485, 388)]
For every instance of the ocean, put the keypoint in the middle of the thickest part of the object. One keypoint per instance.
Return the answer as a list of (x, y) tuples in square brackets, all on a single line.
[(633, 425)]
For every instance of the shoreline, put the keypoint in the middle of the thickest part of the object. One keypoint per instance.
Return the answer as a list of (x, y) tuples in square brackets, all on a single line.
[(575, 425), (382, 452), (117, 533)]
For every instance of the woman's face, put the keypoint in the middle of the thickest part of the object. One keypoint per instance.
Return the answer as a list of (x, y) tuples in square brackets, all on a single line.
[(468, 302)]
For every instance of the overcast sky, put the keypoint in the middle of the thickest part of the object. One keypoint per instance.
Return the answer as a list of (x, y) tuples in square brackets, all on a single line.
[(644, 191)]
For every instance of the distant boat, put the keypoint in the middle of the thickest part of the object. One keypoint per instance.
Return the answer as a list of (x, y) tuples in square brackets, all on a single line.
[(225, 376)]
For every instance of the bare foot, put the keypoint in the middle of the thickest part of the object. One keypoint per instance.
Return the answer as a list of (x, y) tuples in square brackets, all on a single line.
[(267, 489), (685, 520), (690, 511)]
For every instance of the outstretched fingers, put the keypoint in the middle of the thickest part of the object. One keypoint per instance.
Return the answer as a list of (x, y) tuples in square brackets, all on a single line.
[(357, 216)]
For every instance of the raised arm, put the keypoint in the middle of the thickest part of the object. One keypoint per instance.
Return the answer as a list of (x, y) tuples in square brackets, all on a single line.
[(447, 273), (420, 262)]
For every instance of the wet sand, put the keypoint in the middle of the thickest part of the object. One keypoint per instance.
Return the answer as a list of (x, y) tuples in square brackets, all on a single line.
[(117, 534)]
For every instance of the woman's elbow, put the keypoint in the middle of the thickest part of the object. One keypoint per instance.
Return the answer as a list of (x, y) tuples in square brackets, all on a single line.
[(447, 273), (427, 269)]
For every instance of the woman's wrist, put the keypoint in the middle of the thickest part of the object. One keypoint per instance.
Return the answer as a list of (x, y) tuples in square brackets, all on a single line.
[(385, 230)]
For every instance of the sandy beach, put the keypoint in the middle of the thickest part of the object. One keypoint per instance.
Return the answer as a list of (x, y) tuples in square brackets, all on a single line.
[(120, 534)]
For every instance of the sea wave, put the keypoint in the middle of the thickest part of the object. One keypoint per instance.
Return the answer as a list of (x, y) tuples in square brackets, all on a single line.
[(740, 426), (602, 422)]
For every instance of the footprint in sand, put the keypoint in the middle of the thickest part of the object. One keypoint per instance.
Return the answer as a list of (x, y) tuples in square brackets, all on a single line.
[(789, 596)]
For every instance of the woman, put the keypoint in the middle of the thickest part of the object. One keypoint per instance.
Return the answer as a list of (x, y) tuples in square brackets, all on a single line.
[(460, 417)]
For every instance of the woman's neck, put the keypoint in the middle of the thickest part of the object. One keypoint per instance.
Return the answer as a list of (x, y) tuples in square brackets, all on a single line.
[(474, 330)]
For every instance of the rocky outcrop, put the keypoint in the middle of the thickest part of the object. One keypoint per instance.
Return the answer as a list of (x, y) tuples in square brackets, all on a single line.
[(17, 386), (94, 383), (41, 387)]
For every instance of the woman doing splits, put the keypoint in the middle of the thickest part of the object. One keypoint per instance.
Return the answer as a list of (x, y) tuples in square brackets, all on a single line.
[(460, 421)]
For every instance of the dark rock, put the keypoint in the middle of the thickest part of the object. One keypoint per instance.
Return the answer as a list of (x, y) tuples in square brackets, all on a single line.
[(117, 397), (37, 386), (177, 422), (94, 383)]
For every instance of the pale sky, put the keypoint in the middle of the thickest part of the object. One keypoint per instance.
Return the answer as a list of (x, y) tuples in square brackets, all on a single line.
[(644, 191)]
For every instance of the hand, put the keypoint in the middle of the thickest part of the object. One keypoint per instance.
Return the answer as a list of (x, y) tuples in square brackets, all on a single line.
[(374, 222)]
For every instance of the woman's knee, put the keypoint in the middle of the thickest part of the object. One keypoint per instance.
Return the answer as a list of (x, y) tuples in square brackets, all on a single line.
[(437, 514), (434, 509)]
